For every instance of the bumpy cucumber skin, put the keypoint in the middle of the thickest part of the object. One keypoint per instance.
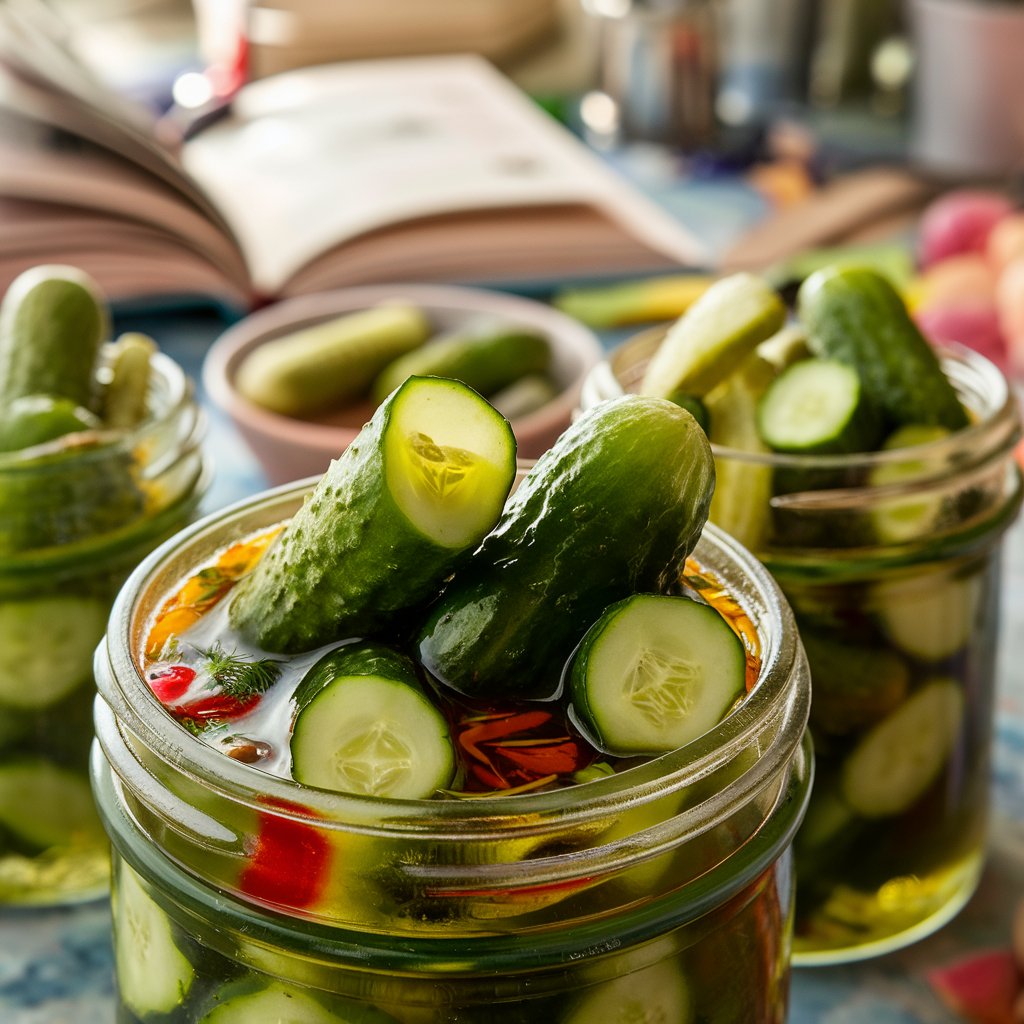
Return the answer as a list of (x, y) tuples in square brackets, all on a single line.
[(612, 509), (854, 315), (52, 322), (486, 363), (360, 659), (350, 562)]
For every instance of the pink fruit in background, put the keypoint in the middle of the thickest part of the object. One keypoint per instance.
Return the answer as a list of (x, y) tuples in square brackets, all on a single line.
[(976, 326), (1010, 299), (982, 989), (965, 279), (959, 222), (1006, 242)]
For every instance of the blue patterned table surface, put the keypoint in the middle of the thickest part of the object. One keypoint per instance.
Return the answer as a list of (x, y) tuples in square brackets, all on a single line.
[(56, 966)]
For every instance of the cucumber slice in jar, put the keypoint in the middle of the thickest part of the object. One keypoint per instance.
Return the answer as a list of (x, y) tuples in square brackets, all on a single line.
[(425, 479), (906, 517), (47, 806), (275, 1003), (896, 762), (817, 407), (365, 726), (930, 617), (658, 994), (153, 975), (655, 672), (46, 648)]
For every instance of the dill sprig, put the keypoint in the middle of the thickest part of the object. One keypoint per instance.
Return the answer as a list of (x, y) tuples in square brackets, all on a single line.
[(237, 675)]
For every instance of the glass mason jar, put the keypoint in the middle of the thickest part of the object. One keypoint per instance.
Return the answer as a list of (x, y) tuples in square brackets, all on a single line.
[(667, 883), (891, 563), (74, 522)]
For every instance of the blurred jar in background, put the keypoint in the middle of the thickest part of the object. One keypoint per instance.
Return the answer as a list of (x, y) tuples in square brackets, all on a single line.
[(657, 61)]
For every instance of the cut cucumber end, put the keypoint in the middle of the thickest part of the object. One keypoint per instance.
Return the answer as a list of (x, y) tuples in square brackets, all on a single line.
[(449, 460), (654, 673), (372, 736)]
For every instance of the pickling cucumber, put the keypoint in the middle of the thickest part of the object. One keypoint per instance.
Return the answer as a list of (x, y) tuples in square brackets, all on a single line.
[(855, 316), (930, 617), (658, 994), (484, 362), (710, 340), (612, 509), (894, 763), (653, 673), (855, 685), (153, 975), (743, 485), (330, 363), (901, 517), (817, 407), (425, 479), (47, 806), (364, 725), (36, 419), (125, 397), (694, 406), (524, 396), (52, 322), (35, 673)]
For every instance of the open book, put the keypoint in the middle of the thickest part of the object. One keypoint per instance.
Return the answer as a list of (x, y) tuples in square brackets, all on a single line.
[(428, 168)]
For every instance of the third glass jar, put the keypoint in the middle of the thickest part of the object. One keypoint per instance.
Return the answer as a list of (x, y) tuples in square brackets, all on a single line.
[(891, 562)]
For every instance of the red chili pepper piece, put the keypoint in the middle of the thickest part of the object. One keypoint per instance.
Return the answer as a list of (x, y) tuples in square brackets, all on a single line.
[(289, 863), (217, 705), (170, 683), (508, 749)]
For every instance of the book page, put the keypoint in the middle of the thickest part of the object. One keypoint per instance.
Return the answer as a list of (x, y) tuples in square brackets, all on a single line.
[(313, 158)]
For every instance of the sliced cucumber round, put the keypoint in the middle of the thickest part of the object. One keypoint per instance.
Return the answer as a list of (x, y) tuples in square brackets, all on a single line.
[(932, 617), (273, 1004), (655, 672), (905, 517), (46, 805), (894, 763), (153, 975), (365, 726), (46, 648), (817, 407), (658, 994)]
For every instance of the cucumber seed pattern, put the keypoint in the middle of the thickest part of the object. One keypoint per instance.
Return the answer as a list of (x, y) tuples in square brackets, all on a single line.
[(662, 687)]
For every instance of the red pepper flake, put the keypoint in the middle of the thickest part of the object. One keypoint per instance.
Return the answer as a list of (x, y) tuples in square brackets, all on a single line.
[(513, 749), (221, 706), (169, 684)]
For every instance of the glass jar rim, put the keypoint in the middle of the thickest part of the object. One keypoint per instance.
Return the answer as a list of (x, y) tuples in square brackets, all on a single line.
[(173, 389), (998, 422), (138, 712)]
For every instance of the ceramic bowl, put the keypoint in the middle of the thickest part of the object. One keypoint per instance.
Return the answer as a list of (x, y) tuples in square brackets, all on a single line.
[(290, 448)]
